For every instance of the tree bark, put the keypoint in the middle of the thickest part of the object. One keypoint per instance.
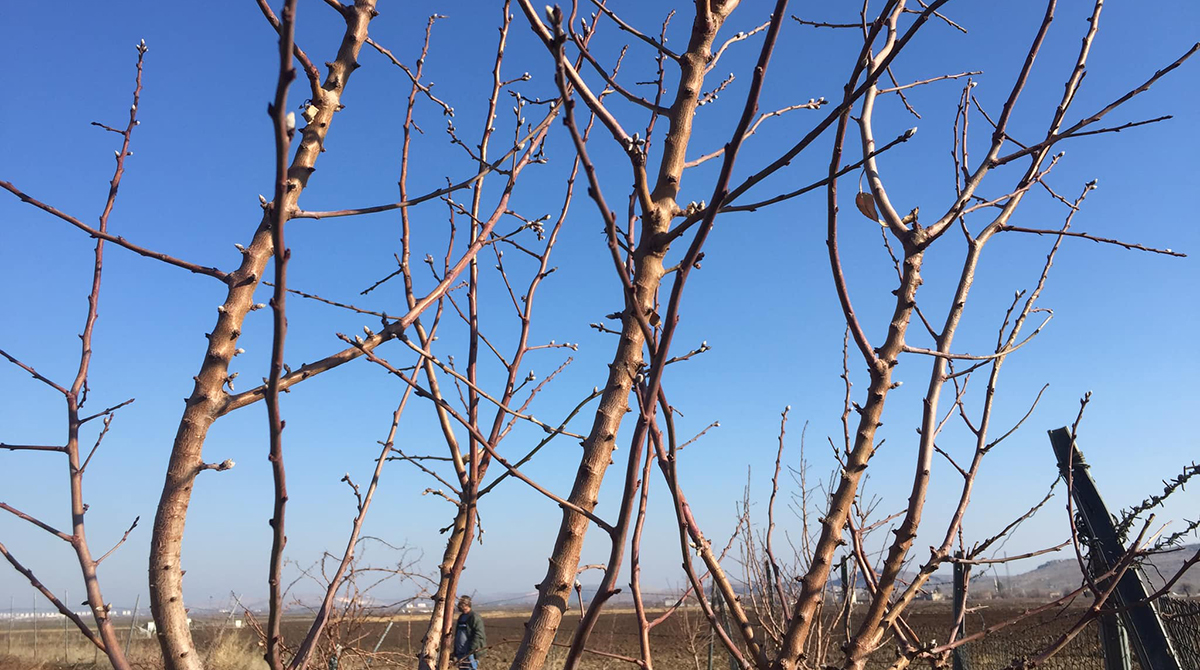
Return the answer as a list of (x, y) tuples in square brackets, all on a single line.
[(554, 590), (208, 397), (431, 642), (88, 565), (834, 521)]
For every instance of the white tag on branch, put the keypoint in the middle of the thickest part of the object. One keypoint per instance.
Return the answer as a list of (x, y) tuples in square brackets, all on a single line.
[(866, 204)]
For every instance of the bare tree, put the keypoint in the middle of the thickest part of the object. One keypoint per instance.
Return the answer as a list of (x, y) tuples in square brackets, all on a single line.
[(349, 617), (884, 38), (210, 400), (76, 395), (778, 616)]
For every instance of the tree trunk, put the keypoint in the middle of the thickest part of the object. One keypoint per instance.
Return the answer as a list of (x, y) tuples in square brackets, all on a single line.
[(431, 642), (554, 591), (834, 521), (207, 400)]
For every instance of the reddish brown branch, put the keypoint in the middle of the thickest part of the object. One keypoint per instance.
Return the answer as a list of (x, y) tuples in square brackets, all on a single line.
[(58, 604), (852, 96), (1006, 559), (119, 542), (611, 81), (1094, 238), (825, 24), (658, 46), (635, 562), (922, 82), (310, 70), (770, 549), (31, 447), (37, 522), (309, 644), (559, 430), (115, 239), (737, 37), (419, 306), (99, 438), (284, 127), (208, 397), (482, 439), (105, 412), (1054, 137), (414, 77), (34, 373)]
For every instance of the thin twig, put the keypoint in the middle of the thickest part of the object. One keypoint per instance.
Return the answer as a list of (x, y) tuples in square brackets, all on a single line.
[(115, 239)]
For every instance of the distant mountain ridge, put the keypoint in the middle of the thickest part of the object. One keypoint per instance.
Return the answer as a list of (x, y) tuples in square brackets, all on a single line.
[(1057, 576), (1063, 575)]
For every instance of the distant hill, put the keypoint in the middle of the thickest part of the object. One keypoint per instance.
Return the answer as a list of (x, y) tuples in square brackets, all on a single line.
[(1063, 575), (1057, 576)]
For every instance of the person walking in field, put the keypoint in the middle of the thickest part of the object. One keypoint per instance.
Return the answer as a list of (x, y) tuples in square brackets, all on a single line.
[(469, 637)]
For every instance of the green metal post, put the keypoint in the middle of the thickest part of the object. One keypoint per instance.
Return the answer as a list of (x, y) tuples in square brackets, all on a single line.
[(1142, 624), (962, 576)]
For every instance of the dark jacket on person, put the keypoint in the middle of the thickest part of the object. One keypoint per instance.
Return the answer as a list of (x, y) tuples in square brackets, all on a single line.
[(469, 636)]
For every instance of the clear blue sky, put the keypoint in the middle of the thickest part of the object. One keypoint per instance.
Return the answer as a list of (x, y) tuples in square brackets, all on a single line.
[(1125, 323)]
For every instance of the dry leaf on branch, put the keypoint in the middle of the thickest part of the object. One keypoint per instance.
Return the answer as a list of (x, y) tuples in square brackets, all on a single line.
[(866, 204)]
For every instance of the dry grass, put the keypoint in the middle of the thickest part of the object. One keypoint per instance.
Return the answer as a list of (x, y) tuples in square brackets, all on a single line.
[(51, 649), (235, 652)]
